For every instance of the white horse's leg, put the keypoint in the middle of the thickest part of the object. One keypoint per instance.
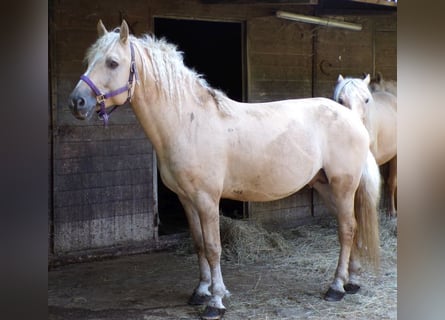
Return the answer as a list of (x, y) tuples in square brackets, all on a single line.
[(392, 186), (201, 295)]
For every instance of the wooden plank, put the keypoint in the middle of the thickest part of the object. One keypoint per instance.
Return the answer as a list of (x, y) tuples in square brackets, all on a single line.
[(102, 233), (81, 181), (122, 147), (99, 133), (102, 210), (100, 164), (285, 213)]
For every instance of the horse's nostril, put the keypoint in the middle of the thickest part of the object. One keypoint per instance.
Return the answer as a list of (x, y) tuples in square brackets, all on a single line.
[(81, 102)]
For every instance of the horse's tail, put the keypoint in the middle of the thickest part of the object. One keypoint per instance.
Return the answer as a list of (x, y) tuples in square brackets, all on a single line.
[(366, 203)]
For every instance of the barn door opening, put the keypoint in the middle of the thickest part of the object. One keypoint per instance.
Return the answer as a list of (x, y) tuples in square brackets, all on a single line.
[(215, 50)]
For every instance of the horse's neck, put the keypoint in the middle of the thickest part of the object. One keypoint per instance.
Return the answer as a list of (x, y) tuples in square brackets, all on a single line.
[(163, 121)]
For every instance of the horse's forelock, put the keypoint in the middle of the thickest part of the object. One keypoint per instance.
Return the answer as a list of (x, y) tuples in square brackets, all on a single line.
[(361, 88), (101, 46), (355, 87)]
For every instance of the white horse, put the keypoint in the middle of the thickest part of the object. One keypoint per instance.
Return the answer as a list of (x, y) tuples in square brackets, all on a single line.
[(211, 147), (378, 84), (378, 111)]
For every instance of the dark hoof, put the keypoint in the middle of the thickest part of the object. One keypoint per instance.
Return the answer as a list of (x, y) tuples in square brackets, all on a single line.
[(351, 288), (198, 299), (212, 313), (333, 295)]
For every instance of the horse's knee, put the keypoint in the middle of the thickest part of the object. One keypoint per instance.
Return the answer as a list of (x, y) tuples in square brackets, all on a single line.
[(212, 252)]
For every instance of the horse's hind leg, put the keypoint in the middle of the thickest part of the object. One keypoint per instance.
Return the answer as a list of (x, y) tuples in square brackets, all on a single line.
[(339, 196), (352, 286), (341, 204), (392, 187), (201, 295)]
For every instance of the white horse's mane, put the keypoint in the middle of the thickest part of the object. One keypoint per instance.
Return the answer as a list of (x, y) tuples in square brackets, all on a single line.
[(173, 79)]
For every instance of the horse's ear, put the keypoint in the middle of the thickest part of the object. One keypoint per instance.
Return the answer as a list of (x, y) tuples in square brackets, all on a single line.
[(367, 80), (379, 77), (101, 30), (340, 78), (125, 31)]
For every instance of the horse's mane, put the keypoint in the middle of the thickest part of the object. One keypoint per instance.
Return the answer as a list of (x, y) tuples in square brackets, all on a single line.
[(173, 79)]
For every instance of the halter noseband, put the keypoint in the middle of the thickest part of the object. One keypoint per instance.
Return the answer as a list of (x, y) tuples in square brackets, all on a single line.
[(100, 97)]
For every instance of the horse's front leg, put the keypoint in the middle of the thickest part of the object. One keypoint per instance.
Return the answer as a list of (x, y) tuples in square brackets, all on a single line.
[(201, 295), (208, 209), (204, 224)]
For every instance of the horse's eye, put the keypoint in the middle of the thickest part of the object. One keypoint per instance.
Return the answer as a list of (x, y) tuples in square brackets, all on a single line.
[(112, 64), (367, 100), (340, 101)]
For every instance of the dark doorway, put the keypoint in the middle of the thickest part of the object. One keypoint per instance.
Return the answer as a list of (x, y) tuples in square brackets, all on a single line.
[(215, 50)]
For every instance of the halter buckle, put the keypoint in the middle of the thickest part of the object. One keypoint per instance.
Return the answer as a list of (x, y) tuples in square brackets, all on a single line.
[(100, 99)]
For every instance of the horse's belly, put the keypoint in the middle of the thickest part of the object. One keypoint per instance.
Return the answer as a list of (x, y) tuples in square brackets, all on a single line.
[(267, 185)]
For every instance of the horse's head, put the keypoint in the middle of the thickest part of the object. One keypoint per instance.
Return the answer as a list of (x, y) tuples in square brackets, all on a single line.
[(377, 83), (108, 80), (354, 94)]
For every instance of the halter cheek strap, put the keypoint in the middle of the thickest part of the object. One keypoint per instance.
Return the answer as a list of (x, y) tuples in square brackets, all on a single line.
[(100, 97)]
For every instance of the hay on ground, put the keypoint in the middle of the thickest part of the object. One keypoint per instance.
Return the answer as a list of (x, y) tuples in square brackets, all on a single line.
[(245, 241)]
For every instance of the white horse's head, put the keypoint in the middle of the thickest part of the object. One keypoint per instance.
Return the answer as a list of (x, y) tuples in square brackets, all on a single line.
[(354, 94), (108, 79)]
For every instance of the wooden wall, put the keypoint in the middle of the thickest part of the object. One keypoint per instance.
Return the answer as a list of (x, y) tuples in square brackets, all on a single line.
[(104, 185)]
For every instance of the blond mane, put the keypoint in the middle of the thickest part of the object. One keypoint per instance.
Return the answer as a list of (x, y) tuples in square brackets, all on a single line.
[(173, 79)]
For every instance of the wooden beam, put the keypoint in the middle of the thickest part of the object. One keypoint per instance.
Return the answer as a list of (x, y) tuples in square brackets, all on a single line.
[(303, 2), (391, 3)]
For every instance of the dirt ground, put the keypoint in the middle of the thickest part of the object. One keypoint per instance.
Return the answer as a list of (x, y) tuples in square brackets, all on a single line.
[(283, 286)]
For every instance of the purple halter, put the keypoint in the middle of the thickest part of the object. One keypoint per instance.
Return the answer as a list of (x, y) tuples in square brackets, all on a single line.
[(100, 97)]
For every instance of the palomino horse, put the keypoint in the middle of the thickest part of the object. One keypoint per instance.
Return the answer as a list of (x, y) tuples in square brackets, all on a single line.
[(378, 84), (378, 111), (211, 147)]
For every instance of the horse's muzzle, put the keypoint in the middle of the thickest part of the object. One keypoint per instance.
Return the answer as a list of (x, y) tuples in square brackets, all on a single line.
[(81, 106)]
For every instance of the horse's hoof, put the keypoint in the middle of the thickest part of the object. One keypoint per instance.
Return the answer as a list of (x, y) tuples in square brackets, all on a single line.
[(351, 288), (333, 295), (199, 299), (212, 313)]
